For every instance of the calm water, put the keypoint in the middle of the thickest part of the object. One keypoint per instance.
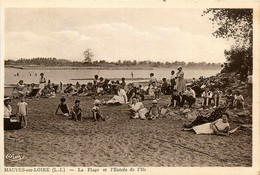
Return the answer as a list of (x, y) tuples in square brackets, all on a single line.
[(65, 76)]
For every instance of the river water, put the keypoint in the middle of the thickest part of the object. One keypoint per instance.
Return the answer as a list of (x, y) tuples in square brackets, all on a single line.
[(69, 76)]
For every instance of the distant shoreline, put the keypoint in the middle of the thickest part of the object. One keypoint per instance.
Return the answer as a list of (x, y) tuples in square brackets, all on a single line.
[(76, 68), (98, 67)]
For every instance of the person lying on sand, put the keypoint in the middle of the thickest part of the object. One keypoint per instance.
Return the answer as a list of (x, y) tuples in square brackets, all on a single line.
[(205, 119), (218, 127), (96, 112), (63, 107)]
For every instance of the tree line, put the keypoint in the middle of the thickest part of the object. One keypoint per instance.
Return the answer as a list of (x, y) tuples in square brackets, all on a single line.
[(63, 62)]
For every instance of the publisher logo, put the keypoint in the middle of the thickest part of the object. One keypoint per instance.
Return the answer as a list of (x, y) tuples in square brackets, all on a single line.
[(13, 157)]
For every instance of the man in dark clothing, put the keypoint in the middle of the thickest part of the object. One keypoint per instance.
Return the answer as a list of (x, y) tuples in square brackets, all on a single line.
[(173, 83)]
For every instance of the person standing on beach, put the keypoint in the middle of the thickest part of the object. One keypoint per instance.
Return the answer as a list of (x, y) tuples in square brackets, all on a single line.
[(42, 82), (95, 81), (180, 83), (22, 110), (123, 83), (173, 83), (152, 79)]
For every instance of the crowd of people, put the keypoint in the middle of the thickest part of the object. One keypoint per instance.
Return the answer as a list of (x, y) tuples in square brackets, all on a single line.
[(181, 93)]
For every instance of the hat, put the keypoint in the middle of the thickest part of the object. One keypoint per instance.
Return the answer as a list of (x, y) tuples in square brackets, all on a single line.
[(154, 102), (97, 102), (179, 67), (41, 74), (7, 98), (119, 86)]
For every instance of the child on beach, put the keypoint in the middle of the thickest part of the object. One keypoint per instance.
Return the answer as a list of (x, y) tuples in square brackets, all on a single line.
[(154, 111), (138, 110), (165, 89), (207, 96), (52, 93), (63, 107), (216, 96), (175, 99), (239, 100), (96, 112), (229, 99), (173, 82), (154, 91), (139, 93), (95, 81), (22, 111), (76, 111)]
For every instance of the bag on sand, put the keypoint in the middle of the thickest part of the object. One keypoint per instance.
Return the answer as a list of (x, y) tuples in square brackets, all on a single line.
[(13, 123)]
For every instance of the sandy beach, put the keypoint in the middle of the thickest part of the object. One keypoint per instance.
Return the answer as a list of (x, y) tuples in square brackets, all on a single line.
[(51, 140)]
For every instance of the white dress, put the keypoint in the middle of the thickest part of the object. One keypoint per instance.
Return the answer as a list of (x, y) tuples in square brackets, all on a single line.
[(205, 128), (120, 98)]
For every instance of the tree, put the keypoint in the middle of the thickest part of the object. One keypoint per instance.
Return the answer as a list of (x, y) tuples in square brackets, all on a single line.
[(238, 25), (88, 54), (238, 56), (233, 23)]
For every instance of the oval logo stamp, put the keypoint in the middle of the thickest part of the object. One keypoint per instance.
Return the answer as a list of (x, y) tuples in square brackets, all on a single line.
[(13, 157)]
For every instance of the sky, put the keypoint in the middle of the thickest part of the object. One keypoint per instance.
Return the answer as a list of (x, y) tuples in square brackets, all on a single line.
[(113, 34)]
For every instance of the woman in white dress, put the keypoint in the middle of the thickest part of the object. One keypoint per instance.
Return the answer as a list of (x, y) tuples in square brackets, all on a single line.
[(218, 127), (19, 90), (180, 82), (121, 98), (42, 82)]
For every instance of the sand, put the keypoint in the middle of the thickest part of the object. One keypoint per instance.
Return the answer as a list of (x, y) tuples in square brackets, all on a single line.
[(51, 140)]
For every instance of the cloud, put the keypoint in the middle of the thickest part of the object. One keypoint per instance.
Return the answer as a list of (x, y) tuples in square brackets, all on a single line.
[(114, 41)]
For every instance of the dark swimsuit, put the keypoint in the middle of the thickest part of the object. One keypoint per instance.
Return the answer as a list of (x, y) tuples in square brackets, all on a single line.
[(64, 108)]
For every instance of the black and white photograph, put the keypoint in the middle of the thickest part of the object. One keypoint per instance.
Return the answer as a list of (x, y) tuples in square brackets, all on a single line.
[(128, 87)]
